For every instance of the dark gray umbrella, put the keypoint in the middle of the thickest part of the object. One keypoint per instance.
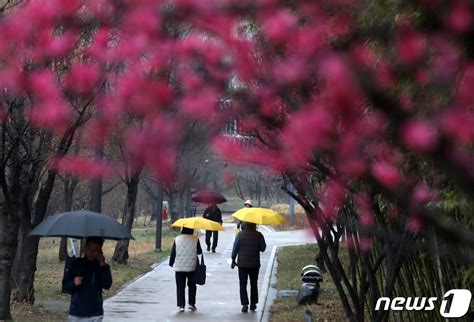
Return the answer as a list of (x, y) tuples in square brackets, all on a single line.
[(208, 196), (81, 224)]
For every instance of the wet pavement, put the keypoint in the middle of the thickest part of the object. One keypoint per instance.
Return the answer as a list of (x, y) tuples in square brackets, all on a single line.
[(152, 297)]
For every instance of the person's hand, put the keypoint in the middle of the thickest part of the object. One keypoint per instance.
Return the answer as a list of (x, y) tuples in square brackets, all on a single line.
[(78, 280), (233, 264), (101, 259)]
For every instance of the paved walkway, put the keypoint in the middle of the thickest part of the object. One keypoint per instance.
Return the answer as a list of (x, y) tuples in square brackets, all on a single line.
[(153, 296)]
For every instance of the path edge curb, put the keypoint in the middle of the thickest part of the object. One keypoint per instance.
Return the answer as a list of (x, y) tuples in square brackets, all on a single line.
[(266, 283)]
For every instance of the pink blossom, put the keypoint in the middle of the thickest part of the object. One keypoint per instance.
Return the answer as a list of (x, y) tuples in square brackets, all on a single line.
[(315, 125), (341, 91), (352, 166), (458, 123), (406, 102), (200, 105), (278, 26), (350, 241), (384, 76), (422, 77), (82, 167), (50, 114), (290, 72), (411, 46), (228, 177), (459, 18), (365, 244), (366, 218), (83, 77), (227, 147), (386, 174), (12, 78), (465, 94), (44, 85), (415, 224), (98, 48), (363, 56), (142, 19), (340, 25), (446, 58), (420, 136), (422, 194), (333, 196), (61, 46)]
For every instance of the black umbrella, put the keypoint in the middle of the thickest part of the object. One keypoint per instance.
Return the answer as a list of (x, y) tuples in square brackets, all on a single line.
[(208, 196), (81, 224)]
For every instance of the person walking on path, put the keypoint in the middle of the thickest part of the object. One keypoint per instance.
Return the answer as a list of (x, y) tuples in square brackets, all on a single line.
[(85, 280), (184, 257), (212, 213), (247, 247), (247, 204)]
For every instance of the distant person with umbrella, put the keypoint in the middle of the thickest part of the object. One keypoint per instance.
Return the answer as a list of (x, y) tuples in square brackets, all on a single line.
[(212, 198), (212, 213), (247, 204), (85, 280), (247, 247)]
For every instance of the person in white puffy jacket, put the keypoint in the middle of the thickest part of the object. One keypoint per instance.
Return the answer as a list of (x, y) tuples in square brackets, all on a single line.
[(183, 258)]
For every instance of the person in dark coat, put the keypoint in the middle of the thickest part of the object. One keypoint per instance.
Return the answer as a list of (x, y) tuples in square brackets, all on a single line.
[(183, 258), (85, 280), (212, 213), (247, 247)]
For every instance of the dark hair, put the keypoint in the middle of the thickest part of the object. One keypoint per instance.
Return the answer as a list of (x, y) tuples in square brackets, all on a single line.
[(249, 226), (187, 231), (96, 240)]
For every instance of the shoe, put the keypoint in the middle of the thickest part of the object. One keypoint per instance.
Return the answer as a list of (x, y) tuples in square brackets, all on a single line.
[(245, 308), (253, 307), (208, 248), (192, 307), (213, 250), (181, 309)]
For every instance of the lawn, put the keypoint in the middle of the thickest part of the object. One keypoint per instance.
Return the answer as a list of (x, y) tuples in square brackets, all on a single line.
[(50, 271), (291, 260)]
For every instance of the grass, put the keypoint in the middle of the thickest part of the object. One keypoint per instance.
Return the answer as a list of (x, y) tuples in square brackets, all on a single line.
[(291, 260), (50, 271)]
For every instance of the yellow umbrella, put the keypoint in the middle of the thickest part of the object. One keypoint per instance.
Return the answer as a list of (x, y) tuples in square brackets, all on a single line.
[(197, 223), (261, 216)]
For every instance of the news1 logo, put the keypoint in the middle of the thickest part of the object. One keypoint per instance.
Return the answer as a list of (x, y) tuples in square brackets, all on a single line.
[(460, 300)]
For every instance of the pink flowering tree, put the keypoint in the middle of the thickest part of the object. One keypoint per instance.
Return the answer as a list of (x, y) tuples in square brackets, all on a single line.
[(366, 108)]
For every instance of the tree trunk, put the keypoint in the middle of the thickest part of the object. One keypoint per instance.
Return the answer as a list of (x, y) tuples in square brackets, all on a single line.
[(121, 250), (182, 205), (172, 208), (70, 184), (9, 226), (24, 274), (27, 255)]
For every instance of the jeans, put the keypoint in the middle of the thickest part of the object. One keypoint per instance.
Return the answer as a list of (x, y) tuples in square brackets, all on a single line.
[(215, 237), (252, 273), (181, 285)]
